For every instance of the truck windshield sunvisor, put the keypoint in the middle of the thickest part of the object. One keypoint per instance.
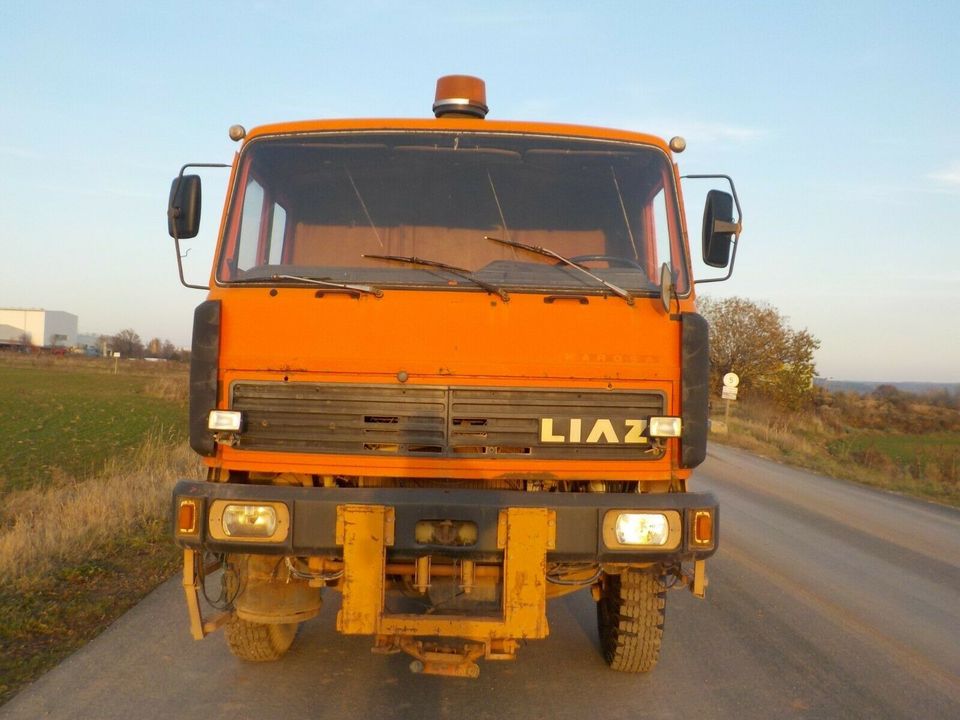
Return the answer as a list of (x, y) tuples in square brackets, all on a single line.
[(332, 206)]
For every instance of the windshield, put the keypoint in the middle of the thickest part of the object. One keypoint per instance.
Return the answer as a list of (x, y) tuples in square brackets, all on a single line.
[(325, 206)]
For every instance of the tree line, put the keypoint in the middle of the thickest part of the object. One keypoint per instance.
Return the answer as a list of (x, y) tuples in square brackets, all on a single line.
[(128, 343), (775, 364)]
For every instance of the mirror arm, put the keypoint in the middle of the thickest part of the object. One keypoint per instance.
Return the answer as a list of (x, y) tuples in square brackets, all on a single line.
[(719, 226), (733, 259), (735, 228), (175, 212), (176, 244), (733, 188)]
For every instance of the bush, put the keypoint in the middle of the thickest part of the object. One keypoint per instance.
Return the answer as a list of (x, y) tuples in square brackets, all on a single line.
[(754, 340)]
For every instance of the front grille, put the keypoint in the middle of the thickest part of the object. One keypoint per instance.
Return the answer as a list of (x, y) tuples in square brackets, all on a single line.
[(330, 418), (445, 422)]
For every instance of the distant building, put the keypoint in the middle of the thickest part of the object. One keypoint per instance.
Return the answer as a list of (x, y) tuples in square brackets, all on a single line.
[(94, 345), (45, 328), (10, 336)]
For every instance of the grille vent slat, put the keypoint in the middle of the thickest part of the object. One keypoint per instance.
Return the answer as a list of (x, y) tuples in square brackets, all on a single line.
[(431, 421)]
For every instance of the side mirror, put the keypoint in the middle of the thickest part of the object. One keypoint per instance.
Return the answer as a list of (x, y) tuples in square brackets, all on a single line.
[(718, 228), (183, 210)]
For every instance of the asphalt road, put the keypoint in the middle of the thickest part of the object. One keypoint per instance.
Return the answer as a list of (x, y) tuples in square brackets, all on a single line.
[(826, 600)]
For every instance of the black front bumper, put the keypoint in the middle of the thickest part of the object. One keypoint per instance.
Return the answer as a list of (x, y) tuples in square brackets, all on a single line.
[(579, 516)]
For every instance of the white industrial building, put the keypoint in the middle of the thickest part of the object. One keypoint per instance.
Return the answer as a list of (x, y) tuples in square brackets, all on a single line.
[(44, 328)]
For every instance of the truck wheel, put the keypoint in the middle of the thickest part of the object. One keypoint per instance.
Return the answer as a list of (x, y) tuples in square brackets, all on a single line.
[(259, 642), (630, 620)]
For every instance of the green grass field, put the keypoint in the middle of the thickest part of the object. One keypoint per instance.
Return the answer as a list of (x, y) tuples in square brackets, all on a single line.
[(62, 423), (931, 457), (79, 438), (906, 448)]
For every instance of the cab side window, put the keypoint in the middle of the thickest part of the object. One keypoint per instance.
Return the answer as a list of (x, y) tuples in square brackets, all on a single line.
[(262, 229)]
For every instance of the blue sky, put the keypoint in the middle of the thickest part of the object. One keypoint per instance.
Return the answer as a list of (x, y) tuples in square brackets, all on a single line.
[(839, 122)]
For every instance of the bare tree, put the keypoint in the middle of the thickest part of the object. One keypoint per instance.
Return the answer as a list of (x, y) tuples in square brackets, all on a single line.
[(168, 351), (127, 343)]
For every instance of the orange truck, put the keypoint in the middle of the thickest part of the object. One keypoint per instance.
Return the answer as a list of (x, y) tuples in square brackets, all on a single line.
[(450, 368)]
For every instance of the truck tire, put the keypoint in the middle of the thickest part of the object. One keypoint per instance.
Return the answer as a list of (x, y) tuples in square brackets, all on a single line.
[(259, 642), (630, 620)]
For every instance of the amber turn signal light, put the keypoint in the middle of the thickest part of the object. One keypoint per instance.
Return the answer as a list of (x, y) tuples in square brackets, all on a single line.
[(703, 528), (187, 517)]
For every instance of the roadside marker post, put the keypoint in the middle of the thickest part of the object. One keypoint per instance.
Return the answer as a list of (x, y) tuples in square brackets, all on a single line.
[(731, 383)]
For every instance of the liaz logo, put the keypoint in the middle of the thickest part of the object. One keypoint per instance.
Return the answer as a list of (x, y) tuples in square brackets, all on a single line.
[(593, 432)]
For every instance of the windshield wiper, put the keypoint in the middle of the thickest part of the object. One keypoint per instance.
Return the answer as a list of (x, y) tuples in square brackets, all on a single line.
[(453, 269), (546, 252), (348, 287)]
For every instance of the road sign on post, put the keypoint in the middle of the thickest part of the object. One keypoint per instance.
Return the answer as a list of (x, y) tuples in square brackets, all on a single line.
[(731, 384)]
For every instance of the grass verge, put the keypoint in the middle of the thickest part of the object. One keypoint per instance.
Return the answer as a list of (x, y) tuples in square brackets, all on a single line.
[(50, 616), (75, 556), (922, 465)]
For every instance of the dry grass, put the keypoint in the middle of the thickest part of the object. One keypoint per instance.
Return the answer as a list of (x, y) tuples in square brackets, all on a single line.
[(167, 387), (43, 528), (806, 440), (85, 477), (72, 363)]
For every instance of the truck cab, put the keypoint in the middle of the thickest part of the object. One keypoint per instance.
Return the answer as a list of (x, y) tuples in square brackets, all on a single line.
[(450, 368)]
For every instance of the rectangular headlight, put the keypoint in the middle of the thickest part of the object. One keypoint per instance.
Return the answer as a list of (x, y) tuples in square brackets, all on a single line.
[(225, 420), (642, 529), (267, 522), (665, 427), (256, 521)]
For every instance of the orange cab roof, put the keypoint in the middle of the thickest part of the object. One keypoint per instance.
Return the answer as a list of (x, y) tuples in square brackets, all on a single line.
[(458, 123)]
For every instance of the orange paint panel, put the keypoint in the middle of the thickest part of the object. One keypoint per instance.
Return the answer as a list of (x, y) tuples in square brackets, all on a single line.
[(424, 334), (471, 124)]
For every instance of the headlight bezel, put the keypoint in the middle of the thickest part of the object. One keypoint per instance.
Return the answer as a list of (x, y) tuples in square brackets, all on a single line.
[(672, 537), (223, 512), (225, 421), (665, 426)]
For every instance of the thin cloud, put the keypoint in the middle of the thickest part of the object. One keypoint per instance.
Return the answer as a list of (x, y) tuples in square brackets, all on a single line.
[(720, 133), (20, 153), (950, 176), (694, 131), (74, 190)]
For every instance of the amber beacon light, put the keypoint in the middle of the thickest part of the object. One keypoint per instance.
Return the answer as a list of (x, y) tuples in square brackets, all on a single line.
[(460, 96)]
